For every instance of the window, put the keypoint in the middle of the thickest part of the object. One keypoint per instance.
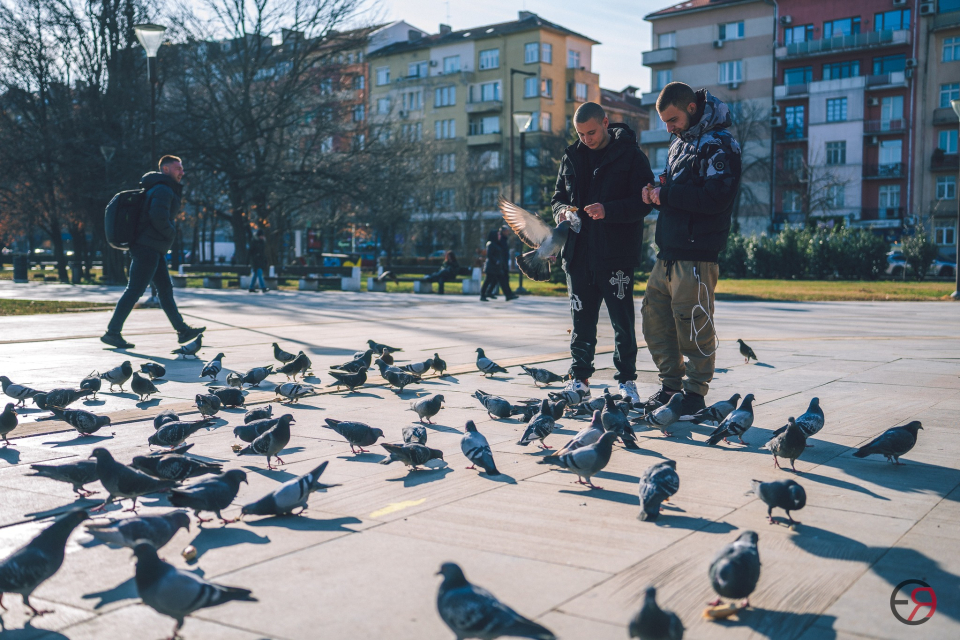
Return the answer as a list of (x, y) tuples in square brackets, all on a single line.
[(730, 72), (731, 31), (546, 122), (802, 33), (417, 69), (573, 59), (889, 200), (490, 59), (948, 141), (413, 100), (546, 53), (359, 82), (946, 187), (326, 86), (660, 155), (531, 52), (483, 126), (835, 196), (792, 201), (383, 75), (951, 50), (798, 75), (580, 91), (445, 129), (949, 92), (451, 64), (836, 110), (530, 194), (793, 158), (667, 40), (326, 145), (889, 64), (489, 160), (359, 142), (358, 113), (891, 153), (793, 118), (546, 88), (486, 92), (445, 162), (837, 70), (443, 199), (844, 27), (531, 158), (488, 196), (664, 77), (444, 96), (383, 106), (837, 152), (412, 132), (529, 87), (891, 112), (945, 235), (534, 122), (892, 20)]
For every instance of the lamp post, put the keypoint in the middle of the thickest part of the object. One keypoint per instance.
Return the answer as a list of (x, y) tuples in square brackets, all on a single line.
[(956, 230), (151, 37), (514, 72), (522, 120)]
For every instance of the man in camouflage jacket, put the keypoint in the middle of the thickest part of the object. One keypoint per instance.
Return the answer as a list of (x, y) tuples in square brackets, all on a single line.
[(695, 197)]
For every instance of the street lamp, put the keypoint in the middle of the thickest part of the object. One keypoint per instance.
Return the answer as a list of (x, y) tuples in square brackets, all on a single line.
[(956, 230), (151, 37), (522, 120), (514, 72)]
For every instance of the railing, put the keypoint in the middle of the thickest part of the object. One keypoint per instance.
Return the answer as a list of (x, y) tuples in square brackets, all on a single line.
[(868, 39), (882, 213), (889, 170), (895, 125), (945, 162), (946, 20), (659, 56), (894, 78)]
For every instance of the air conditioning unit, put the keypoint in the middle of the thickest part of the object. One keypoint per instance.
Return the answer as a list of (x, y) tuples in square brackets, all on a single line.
[(874, 140), (718, 44), (775, 109), (911, 62), (776, 122), (874, 102), (908, 73), (899, 3), (733, 85), (786, 20), (927, 9), (433, 63), (404, 114)]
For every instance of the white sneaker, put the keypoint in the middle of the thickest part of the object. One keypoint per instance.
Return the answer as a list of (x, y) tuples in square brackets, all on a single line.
[(578, 386), (628, 390)]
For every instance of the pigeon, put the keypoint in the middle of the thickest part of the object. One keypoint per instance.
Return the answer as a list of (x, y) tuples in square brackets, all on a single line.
[(613, 420), (208, 404), (653, 623), (297, 366), (427, 407), (256, 375), (416, 434), (290, 495), (735, 571), (180, 450), (128, 532), (534, 232), (84, 422), (496, 406), (172, 434), (588, 405), (364, 359), (412, 455), (76, 473), (174, 467), (253, 430), (541, 376), (271, 442), (783, 494), (164, 417), (388, 275), (282, 356), (190, 349), (418, 368), (358, 434), (572, 397), (789, 444), (557, 408), (525, 411), (234, 380), (61, 398), (657, 483), (386, 357), (477, 450), (18, 392), (810, 422), (121, 481), (540, 427), (258, 414), (30, 565), (212, 369), (395, 377), (892, 443), (118, 376), (746, 352), (8, 422), (587, 436), (587, 461), (473, 612), (154, 370), (229, 397), (438, 365), (143, 387), (735, 424), (664, 416), (210, 494), (92, 383), (293, 391), (486, 365), (715, 413), (177, 593), (349, 380), (379, 348)]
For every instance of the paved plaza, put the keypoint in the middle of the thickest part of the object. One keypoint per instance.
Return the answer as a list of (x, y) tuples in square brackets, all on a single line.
[(361, 562)]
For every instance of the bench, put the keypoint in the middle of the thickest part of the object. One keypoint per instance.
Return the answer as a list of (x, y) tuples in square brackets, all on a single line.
[(213, 274), (310, 278), (468, 277)]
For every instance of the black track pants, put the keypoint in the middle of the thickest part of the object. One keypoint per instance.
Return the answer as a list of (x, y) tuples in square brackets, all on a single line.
[(587, 290)]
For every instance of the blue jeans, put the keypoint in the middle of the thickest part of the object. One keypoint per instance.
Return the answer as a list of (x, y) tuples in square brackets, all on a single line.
[(146, 266), (258, 277)]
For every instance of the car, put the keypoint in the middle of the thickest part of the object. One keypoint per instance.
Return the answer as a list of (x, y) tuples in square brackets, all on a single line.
[(941, 268)]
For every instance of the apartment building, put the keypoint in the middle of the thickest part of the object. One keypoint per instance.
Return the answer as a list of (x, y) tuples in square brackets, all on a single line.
[(626, 107)]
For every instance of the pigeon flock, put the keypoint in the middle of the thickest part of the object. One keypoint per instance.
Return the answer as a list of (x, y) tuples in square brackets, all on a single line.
[(206, 486)]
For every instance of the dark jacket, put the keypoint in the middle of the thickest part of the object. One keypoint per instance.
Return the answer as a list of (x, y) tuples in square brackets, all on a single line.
[(492, 265), (699, 186), (157, 229), (258, 253), (623, 172)]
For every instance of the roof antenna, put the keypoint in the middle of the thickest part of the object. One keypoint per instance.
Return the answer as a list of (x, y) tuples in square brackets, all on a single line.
[(447, 3)]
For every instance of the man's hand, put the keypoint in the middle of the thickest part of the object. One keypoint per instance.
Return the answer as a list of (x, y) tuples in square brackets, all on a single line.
[(655, 196), (646, 194), (595, 211)]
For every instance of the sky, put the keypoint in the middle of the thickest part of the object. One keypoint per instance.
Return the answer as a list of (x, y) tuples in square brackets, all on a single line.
[(617, 24)]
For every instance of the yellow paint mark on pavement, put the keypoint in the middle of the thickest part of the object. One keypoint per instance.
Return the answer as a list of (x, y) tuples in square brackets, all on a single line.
[(397, 506)]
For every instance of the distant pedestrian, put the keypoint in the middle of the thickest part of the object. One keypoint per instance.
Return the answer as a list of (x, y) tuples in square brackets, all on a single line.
[(447, 273), (155, 234), (258, 261), (496, 267)]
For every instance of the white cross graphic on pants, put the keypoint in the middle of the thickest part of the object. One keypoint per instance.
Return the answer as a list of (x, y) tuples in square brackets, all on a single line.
[(619, 280)]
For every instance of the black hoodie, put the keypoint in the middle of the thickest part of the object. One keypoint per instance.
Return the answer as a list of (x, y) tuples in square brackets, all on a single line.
[(616, 183), (157, 229)]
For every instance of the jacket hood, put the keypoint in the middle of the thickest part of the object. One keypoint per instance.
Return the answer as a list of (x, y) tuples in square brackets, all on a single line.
[(153, 178), (714, 115), (619, 133)]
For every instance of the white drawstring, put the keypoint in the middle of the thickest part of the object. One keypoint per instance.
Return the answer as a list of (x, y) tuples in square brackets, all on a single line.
[(694, 330)]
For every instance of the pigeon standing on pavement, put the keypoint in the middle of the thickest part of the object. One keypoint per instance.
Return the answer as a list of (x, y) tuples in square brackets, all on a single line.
[(152, 369), (386, 357), (473, 612), (234, 380), (118, 376), (349, 380), (396, 377), (84, 422), (364, 359), (414, 434), (811, 422), (292, 494), (256, 375), (20, 393), (545, 242), (663, 417), (271, 442), (143, 387), (297, 366), (541, 376), (892, 443), (76, 473), (572, 397), (586, 461), (192, 348), (128, 532), (210, 494), (613, 420), (358, 434), (588, 435), (746, 352), (789, 443), (782, 494), (495, 406), (254, 429), (427, 406), (657, 483), (653, 623), (735, 571), (418, 368), (540, 427), (165, 416), (715, 413), (208, 404), (59, 398), (412, 455), (379, 347), (8, 422), (121, 481), (282, 356), (293, 391), (477, 450), (229, 397), (172, 434), (258, 414), (487, 366), (438, 364), (213, 368), (93, 383), (174, 466), (735, 424)]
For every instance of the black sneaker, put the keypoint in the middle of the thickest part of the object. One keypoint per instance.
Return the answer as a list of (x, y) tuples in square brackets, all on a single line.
[(189, 334), (657, 400), (116, 340), (692, 403)]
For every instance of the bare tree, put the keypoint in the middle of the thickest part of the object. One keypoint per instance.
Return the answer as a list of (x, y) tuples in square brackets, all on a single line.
[(750, 127)]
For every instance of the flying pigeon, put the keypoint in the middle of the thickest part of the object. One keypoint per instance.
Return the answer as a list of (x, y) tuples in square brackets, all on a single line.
[(746, 352), (438, 365), (664, 416), (477, 450), (210, 494), (208, 404), (657, 483), (213, 368), (810, 422), (271, 442), (789, 444), (496, 406), (258, 414), (172, 434), (121, 481), (379, 347), (128, 532), (190, 349), (293, 391), (541, 376), (892, 443), (256, 375), (415, 434), (735, 424), (292, 494), (8, 422), (174, 467), (715, 413), (418, 368), (76, 473), (118, 376), (486, 365), (84, 422), (412, 455), (164, 417), (540, 427), (18, 392), (282, 356), (587, 461), (588, 435), (153, 370), (427, 406), (143, 387), (534, 232), (653, 623), (347, 379), (782, 494), (93, 383), (735, 571), (358, 434), (614, 420)]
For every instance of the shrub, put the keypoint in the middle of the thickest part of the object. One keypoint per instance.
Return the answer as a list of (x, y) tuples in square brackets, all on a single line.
[(733, 258), (919, 253)]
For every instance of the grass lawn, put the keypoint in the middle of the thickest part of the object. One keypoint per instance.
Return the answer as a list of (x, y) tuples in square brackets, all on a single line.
[(13, 307)]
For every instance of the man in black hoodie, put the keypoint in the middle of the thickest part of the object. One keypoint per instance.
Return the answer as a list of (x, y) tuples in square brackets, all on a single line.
[(601, 181), (155, 234)]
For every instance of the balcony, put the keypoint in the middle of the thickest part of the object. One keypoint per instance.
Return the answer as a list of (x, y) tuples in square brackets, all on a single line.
[(488, 106), (659, 56), (649, 99), (896, 125), (887, 80), (866, 40), (889, 217), (944, 161), (884, 171), (946, 20), (945, 115), (787, 91), (483, 138), (656, 136), (791, 134)]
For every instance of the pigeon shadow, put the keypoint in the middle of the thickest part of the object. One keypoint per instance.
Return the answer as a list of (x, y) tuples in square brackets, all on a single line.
[(607, 494), (840, 484), (764, 365), (305, 523), (620, 477), (422, 476), (123, 394), (910, 477), (721, 370), (439, 427), (10, 455), (157, 381), (779, 625), (29, 632), (79, 503), (126, 590), (80, 439), (94, 403), (668, 520), (362, 457), (274, 474), (146, 404), (360, 394), (224, 536), (502, 477)]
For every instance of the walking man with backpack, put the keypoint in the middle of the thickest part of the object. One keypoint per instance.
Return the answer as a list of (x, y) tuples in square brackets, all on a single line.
[(154, 236)]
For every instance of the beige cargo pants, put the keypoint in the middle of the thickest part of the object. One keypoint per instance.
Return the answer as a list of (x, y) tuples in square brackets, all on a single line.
[(677, 294)]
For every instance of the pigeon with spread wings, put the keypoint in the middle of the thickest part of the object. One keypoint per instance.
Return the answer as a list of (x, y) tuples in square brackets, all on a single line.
[(536, 234)]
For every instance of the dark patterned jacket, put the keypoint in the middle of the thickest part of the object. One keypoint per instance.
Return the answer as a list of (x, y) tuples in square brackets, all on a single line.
[(699, 186)]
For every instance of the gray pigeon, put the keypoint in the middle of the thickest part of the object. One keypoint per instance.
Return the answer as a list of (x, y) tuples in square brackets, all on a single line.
[(258, 414), (256, 375), (415, 434), (84, 422), (282, 356), (177, 593), (477, 450), (487, 366), (8, 422), (29, 566), (534, 232), (60, 398), (782, 494), (526, 411), (255, 428), (379, 347), (164, 417), (20, 393), (735, 424), (234, 380), (208, 404), (271, 442), (746, 352), (572, 397), (229, 397), (297, 366), (181, 450), (153, 370), (657, 484), (540, 427), (810, 422), (143, 387), (473, 612), (121, 481), (892, 443), (653, 623), (128, 532), (172, 434), (715, 413), (427, 406), (358, 434), (663, 417), (541, 376), (210, 494), (587, 461), (789, 444), (118, 376), (588, 405), (347, 379), (438, 365), (735, 571), (395, 377), (363, 359), (412, 455), (76, 473), (93, 383), (418, 368), (614, 420), (292, 494), (293, 391), (174, 467), (588, 435), (496, 406), (190, 349), (213, 368)]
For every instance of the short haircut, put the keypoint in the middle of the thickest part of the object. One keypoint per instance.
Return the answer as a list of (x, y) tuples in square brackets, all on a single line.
[(677, 94), (589, 111), (165, 160)]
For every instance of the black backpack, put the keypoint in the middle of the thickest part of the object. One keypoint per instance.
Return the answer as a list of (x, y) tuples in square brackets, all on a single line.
[(121, 218)]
